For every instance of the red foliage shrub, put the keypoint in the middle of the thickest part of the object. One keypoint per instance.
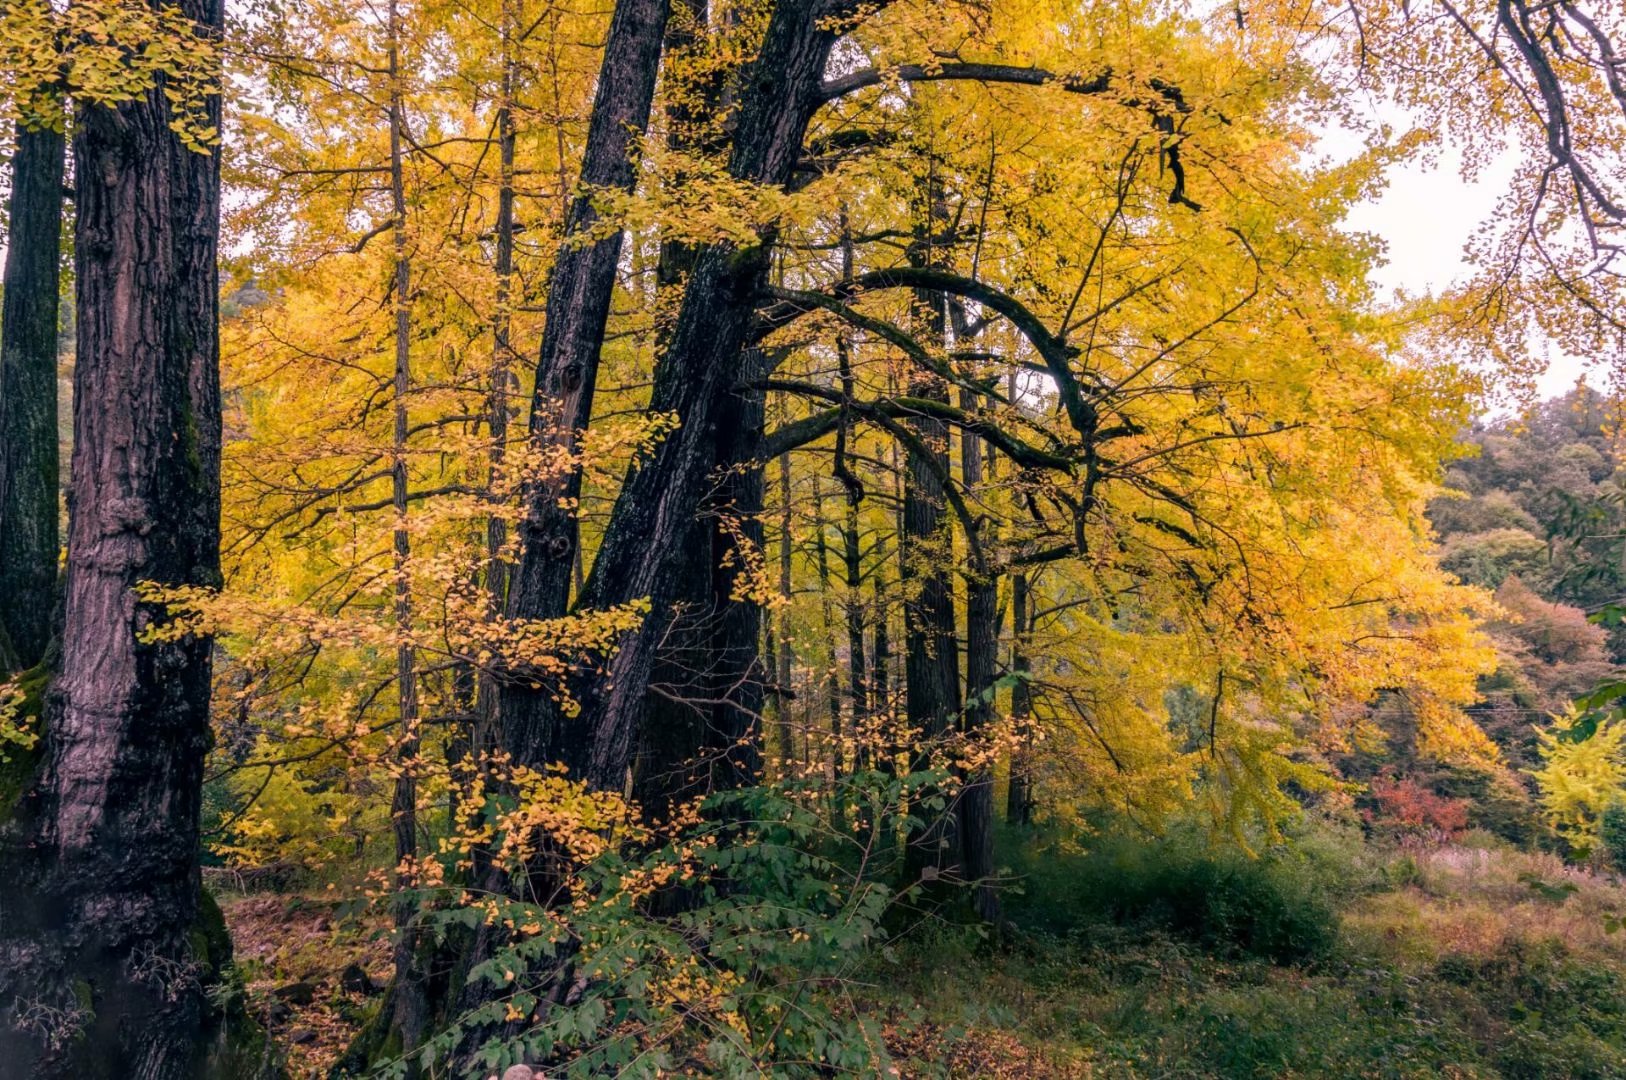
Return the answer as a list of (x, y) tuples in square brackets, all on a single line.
[(1407, 807)]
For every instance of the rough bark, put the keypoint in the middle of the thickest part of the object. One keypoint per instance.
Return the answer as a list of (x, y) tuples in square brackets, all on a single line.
[(931, 646), (734, 515), (698, 733), (101, 909), (29, 539), (701, 368), (706, 687), (580, 289), (578, 305)]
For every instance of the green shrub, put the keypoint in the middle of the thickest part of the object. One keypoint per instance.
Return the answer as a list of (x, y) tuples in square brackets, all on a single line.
[(1612, 834), (1276, 906)]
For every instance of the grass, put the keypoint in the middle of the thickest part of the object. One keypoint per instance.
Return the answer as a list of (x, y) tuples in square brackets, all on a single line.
[(1452, 961)]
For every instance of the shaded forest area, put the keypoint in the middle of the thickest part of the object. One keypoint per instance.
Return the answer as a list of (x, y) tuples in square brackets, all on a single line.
[(806, 538)]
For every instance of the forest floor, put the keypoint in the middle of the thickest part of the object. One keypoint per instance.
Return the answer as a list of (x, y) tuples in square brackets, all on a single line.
[(312, 972), (1150, 961), (1450, 961)]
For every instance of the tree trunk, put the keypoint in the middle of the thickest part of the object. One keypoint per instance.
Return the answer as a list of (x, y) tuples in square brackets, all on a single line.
[(739, 673), (580, 288), (931, 659), (707, 682), (833, 758), (699, 728), (857, 669), (853, 605), (102, 901), (29, 539), (484, 734), (881, 652), (578, 306), (1019, 797), (702, 366), (976, 799), (781, 668), (409, 1000)]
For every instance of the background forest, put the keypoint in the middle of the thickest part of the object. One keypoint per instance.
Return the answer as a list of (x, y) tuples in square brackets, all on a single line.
[(806, 538)]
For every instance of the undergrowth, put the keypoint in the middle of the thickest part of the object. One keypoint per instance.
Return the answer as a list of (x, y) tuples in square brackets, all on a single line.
[(1165, 958)]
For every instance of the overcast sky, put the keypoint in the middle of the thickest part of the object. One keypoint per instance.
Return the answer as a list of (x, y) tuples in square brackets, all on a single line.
[(1425, 216)]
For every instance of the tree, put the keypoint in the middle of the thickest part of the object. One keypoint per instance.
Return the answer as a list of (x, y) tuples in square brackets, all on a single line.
[(107, 947), (29, 544), (1063, 317), (1544, 82)]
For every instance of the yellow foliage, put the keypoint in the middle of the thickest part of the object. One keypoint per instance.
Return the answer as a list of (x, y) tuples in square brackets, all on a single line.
[(1580, 776)]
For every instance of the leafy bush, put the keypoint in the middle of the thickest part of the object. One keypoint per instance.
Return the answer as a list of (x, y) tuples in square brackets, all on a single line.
[(1564, 1017), (1276, 906), (1405, 807), (714, 947), (1612, 833)]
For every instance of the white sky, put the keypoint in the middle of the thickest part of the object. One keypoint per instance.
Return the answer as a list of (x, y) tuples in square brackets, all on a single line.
[(1426, 216)]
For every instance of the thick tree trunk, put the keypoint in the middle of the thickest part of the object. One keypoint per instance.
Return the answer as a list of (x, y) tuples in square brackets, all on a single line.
[(707, 685), (29, 539), (699, 731), (580, 289), (734, 515), (101, 973), (579, 293), (704, 363), (701, 368)]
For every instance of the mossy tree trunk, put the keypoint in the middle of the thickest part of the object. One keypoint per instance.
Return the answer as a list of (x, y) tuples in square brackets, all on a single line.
[(29, 539), (101, 968)]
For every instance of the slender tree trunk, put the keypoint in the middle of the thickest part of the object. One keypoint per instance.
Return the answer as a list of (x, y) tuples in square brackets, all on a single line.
[(411, 1018), (853, 605), (29, 540), (498, 406), (976, 799), (832, 678), (1019, 796), (101, 973), (881, 652), (787, 748)]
